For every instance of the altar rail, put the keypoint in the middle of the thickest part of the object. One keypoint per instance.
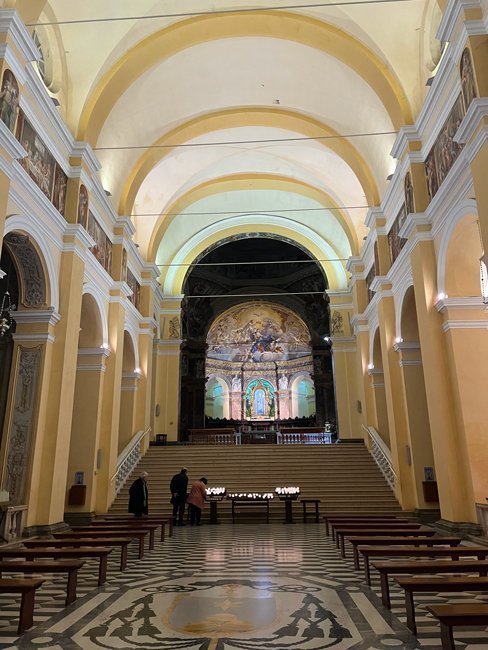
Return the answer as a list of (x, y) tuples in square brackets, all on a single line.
[(212, 437), (304, 436), (285, 436)]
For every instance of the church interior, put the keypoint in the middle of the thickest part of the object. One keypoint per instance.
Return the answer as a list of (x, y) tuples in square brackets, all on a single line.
[(246, 238)]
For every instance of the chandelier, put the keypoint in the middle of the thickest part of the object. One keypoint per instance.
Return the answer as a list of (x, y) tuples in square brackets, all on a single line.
[(484, 280)]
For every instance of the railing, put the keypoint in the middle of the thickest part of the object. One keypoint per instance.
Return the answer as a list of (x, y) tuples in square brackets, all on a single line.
[(304, 438), (382, 456), (13, 522), (211, 437), (128, 459)]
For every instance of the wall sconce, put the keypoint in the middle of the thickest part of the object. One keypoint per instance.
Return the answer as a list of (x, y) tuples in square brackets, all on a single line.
[(370, 366)]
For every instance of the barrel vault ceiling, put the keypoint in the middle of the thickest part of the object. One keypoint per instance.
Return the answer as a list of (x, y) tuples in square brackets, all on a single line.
[(211, 118)]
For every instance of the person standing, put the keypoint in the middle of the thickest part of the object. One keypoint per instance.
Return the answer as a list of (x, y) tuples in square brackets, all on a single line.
[(138, 496), (178, 487), (196, 500)]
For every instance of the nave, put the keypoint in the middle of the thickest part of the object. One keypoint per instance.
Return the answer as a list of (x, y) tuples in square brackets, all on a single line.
[(228, 588)]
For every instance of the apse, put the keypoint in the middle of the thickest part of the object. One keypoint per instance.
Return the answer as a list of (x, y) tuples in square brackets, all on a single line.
[(255, 315)]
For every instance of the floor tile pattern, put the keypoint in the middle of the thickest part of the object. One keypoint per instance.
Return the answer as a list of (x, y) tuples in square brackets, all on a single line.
[(242, 587)]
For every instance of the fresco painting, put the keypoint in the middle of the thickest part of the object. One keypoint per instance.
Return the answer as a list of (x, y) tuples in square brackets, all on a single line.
[(258, 332)]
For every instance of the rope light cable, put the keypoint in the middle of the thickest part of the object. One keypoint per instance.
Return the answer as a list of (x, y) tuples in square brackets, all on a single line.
[(246, 212), (260, 295), (224, 143), (216, 12), (191, 264)]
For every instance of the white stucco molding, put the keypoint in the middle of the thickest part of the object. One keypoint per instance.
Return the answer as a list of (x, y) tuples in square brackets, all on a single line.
[(9, 143), (30, 316), (14, 28), (84, 151), (465, 325)]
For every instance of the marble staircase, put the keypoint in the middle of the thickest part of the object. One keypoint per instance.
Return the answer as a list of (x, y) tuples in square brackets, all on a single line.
[(344, 477)]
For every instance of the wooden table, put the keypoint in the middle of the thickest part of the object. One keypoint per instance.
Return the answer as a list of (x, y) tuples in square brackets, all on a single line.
[(249, 503)]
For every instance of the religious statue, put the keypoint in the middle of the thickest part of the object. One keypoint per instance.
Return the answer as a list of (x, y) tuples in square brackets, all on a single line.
[(283, 382)]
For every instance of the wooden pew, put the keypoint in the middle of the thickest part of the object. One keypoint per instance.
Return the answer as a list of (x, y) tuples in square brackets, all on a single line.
[(414, 567), (130, 526), (480, 552), (413, 531), (358, 518), (77, 542), (70, 567), (101, 553), (102, 531), (329, 518), (161, 520), (27, 589), (450, 616), (436, 584), (399, 541), (377, 523)]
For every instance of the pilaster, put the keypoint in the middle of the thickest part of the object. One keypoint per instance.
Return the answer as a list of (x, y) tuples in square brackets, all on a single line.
[(450, 451)]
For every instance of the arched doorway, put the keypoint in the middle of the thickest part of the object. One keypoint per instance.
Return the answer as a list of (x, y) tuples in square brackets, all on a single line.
[(221, 289), (9, 298)]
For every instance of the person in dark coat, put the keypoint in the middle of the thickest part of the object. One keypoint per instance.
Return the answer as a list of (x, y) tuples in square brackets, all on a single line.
[(178, 486), (138, 496)]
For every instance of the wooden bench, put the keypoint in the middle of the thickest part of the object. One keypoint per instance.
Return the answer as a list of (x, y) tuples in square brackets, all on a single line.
[(436, 585), (126, 527), (431, 567), (402, 531), (480, 552), (103, 531), (372, 525), (450, 616), (71, 567), (400, 541), (80, 542), (329, 518), (101, 553), (162, 520), (27, 589)]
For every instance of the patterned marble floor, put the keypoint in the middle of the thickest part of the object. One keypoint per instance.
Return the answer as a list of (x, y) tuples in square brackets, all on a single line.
[(227, 588)]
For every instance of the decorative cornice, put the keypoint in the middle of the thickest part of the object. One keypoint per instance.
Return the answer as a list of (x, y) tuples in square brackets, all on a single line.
[(48, 316), (374, 214), (406, 345), (43, 337), (120, 290), (10, 144), (409, 362), (407, 134), (477, 110), (84, 151), (79, 233), (414, 220), (12, 25), (90, 352), (452, 16), (127, 225), (10, 56), (446, 303), (464, 325), (92, 367), (381, 284)]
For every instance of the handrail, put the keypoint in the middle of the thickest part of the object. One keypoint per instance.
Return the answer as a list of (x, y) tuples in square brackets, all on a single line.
[(128, 459), (382, 456)]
